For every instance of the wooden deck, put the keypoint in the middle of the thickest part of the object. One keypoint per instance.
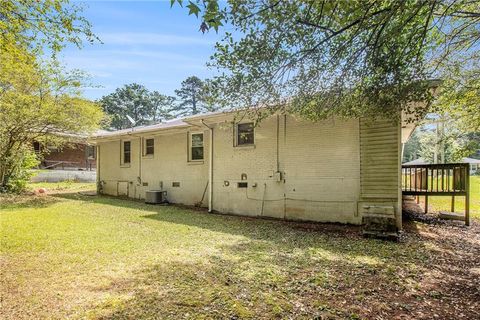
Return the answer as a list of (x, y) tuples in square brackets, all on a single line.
[(449, 179)]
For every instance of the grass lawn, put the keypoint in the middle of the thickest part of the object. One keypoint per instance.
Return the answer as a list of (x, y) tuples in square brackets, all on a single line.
[(444, 203), (68, 255)]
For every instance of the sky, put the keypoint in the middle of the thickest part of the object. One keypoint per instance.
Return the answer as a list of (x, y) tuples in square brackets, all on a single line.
[(146, 42)]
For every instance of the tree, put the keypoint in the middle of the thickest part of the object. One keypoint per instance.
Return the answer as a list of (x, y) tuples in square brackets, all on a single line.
[(43, 24), (162, 106), (439, 142), (39, 101), (411, 150), (342, 58), (192, 96), (131, 100), (138, 102), (459, 104)]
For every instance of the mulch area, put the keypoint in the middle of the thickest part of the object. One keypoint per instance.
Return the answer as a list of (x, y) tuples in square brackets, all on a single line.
[(453, 279)]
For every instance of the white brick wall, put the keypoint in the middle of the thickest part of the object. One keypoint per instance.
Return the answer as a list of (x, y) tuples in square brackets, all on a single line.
[(320, 164)]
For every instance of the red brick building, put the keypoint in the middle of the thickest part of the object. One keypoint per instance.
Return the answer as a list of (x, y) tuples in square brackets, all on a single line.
[(74, 156)]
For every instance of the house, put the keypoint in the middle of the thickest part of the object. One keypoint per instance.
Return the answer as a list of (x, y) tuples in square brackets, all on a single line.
[(75, 156), (474, 164), (417, 161), (285, 167)]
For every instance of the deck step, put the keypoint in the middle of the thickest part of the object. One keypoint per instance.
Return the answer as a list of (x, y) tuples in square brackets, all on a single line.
[(392, 236), (451, 215)]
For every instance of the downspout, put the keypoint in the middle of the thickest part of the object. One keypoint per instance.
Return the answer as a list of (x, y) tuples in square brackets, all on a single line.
[(140, 156), (210, 167), (97, 165)]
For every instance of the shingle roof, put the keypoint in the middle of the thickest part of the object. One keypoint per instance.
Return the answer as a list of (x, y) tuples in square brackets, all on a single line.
[(170, 124)]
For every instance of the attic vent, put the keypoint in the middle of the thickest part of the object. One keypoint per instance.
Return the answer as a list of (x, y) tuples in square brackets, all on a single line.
[(242, 185), (175, 184)]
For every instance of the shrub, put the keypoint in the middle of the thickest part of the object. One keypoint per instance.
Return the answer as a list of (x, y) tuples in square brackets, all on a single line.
[(21, 173)]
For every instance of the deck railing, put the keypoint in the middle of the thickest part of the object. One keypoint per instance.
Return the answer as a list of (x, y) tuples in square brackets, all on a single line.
[(449, 179)]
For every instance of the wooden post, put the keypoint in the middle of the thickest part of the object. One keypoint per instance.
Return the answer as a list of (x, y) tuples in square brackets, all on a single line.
[(467, 195), (453, 204), (426, 204)]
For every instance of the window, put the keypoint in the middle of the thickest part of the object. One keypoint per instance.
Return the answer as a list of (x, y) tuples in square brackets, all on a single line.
[(149, 147), (90, 150), (36, 147), (196, 146), (245, 134), (126, 152)]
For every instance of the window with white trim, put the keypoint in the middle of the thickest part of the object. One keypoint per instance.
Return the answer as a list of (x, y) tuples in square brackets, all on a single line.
[(126, 152), (245, 134), (149, 147), (196, 147)]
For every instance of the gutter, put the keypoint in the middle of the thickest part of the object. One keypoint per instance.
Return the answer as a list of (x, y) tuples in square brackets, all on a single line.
[(210, 167)]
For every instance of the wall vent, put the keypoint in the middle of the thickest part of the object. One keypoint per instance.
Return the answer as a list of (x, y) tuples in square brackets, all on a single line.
[(242, 184), (175, 184)]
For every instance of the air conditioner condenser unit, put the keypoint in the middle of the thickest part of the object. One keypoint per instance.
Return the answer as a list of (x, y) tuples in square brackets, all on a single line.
[(155, 196)]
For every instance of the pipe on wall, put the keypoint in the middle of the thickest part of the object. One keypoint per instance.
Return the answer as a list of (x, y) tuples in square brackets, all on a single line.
[(210, 167), (97, 165)]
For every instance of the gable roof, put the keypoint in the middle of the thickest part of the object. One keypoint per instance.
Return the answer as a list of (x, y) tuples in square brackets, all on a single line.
[(416, 161), (178, 123), (470, 160)]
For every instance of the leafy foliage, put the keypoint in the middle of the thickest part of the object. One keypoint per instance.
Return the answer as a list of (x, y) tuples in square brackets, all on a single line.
[(193, 96), (138, 102), (346, 58), (39, 100), (411, 150), (440, 142), (44, 24), (146, 107), (21, 173)]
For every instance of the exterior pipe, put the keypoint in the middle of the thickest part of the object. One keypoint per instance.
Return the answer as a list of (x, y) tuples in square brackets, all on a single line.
[(97, 165), (210, 167)]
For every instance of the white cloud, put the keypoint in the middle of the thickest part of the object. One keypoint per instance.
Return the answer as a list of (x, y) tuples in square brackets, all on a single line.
[(103, 63), (143, 38)]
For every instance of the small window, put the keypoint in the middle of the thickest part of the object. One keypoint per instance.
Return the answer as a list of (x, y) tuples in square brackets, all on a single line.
[(245, 134), (176, 184), (149, 147), (196, 146), (90, 150), (36, 147), (126, 152)]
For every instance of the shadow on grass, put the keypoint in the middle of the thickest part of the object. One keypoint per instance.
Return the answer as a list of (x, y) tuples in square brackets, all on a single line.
[(288, 235), (279, 271), (246, 282), (221, 289), (274, 269), (258, 280)]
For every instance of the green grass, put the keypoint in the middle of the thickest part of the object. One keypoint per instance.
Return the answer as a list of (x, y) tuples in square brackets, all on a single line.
[(444, 203), (76, 256)]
